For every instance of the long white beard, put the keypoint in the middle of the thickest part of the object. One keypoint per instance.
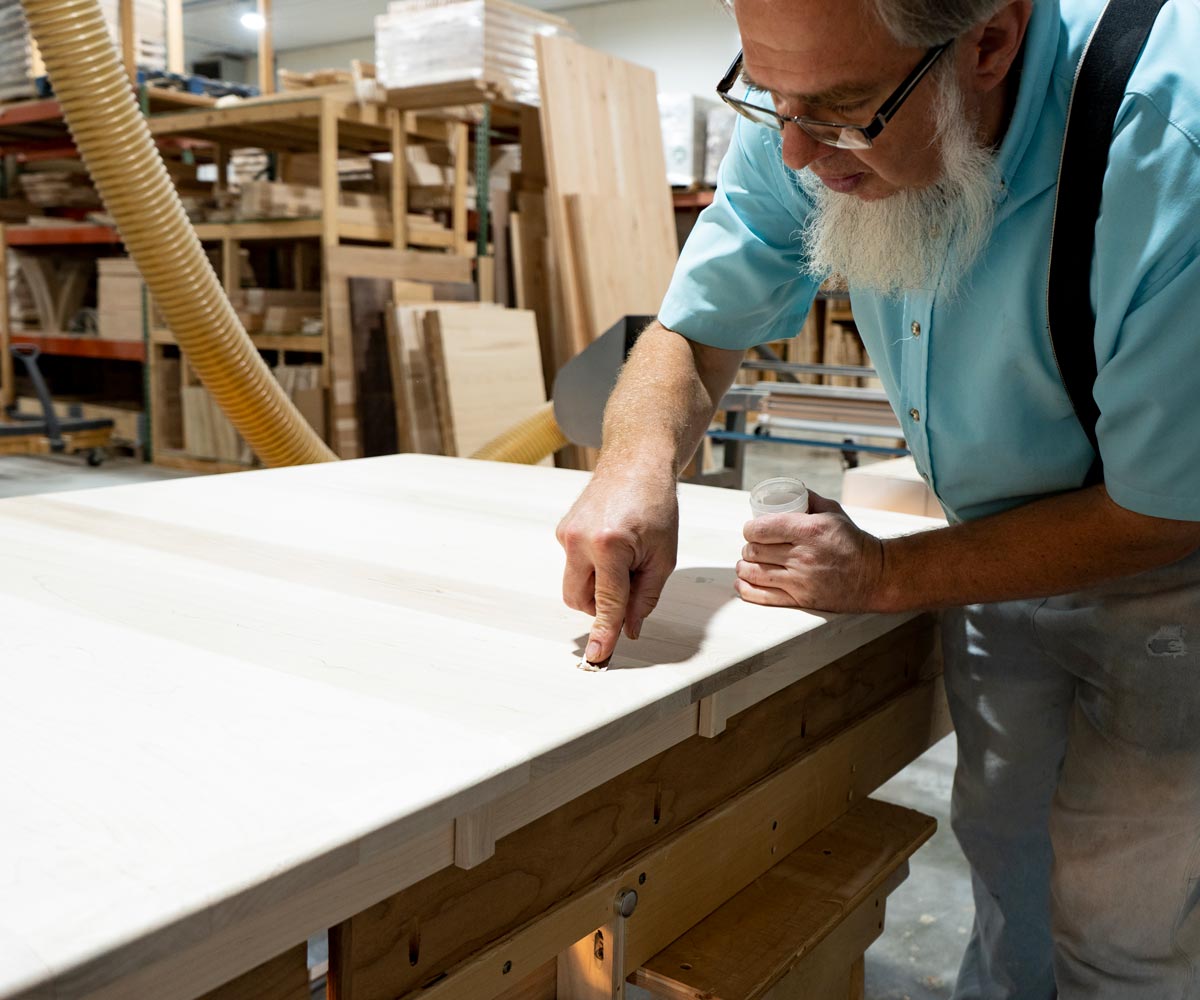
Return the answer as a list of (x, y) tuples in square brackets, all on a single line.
[(903, 242)]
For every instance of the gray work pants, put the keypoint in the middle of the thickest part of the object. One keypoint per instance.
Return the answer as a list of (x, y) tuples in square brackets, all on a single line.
[(1077, 793)]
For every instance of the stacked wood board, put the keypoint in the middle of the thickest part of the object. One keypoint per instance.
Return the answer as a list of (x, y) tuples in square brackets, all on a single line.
[(119, 299), (271, 310), (58, 184), (462, 374), (425, 43), (21, 64)]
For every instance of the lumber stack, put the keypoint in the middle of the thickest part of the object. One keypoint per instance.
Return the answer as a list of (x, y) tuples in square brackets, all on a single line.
[(119, 299), (21, 64), (488, 44), (271, 310), (58, 184)]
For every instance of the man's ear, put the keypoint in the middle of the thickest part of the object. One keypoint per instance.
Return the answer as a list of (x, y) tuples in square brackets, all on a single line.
[(993, 46)]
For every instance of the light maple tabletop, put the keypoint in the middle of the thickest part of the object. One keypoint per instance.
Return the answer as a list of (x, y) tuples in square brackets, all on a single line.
[(224, 697)]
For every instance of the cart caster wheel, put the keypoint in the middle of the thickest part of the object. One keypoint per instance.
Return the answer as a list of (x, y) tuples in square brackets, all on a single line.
[(95, 457)]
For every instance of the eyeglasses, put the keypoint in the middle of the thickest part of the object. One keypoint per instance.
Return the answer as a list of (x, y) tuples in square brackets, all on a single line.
[(839, 134)]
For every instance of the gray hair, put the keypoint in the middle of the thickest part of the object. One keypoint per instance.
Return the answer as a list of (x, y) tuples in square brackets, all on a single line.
[(925, 23)]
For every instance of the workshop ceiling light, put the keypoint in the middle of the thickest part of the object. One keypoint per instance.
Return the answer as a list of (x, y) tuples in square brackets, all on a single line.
[(253, 21)]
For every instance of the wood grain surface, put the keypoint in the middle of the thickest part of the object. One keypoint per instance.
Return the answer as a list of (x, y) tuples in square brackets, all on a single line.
[(244, 708)]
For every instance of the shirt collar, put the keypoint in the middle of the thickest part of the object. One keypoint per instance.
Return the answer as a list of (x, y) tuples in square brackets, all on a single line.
[(1037, 69)]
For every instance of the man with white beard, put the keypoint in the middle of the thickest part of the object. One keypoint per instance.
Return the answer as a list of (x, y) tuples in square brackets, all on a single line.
[(1070, 639)]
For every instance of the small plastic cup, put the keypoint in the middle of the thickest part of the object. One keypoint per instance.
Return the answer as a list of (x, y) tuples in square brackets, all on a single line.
[(779, 496)]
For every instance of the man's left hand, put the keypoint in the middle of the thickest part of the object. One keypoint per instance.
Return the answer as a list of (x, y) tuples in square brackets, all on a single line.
[(819, 560)]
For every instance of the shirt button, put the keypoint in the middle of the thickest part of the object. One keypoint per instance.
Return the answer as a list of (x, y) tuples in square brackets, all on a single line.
[(915, 414), (916, 329)]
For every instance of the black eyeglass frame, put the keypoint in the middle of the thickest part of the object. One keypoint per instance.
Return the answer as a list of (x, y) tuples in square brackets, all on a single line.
[(869, 132)]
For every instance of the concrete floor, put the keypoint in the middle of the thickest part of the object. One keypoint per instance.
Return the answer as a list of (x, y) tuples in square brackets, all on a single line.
[(928, 917)]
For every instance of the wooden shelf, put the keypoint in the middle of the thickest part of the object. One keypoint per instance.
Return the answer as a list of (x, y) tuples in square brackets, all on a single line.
[(290, 229), (82, 346), (37, 125), (58, 236), (302, 342), (286, 123)]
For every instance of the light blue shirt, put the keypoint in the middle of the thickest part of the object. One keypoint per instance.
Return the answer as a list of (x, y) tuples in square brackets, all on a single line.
[(978, 393)]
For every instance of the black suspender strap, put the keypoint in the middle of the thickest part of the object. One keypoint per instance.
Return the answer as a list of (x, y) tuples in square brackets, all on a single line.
[(1108, 60)]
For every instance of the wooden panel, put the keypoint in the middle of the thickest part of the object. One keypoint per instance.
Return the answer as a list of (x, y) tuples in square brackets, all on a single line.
[(619, 270), (742, 950), (282, 978), (599, 827), (487, 373), (602, 138)]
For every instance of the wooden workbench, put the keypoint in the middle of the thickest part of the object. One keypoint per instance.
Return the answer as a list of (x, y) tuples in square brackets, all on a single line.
[(244, 709)]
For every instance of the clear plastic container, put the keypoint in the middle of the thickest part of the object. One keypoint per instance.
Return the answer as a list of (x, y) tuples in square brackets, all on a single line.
[(779, 496)]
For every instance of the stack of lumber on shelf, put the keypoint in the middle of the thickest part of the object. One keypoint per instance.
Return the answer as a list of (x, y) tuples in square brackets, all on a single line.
[(291, 80), (841, 404), (271, 310), (274, 200), (58, 184), (21, 64), (482, 44), (119, 299)]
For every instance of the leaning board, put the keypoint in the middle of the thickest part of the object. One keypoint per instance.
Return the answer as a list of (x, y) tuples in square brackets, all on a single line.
[(603, 141), (487, 373), (244, 708)]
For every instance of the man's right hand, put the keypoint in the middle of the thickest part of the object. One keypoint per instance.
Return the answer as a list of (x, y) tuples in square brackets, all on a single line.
[(621, 538)]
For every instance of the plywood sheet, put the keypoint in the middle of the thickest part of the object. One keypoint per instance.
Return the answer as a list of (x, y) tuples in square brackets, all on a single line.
[(603, 139), (487, 370)]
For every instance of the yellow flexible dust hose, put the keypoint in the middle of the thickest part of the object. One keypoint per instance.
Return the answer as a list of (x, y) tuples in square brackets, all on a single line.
[(114, 141), (533, 439)]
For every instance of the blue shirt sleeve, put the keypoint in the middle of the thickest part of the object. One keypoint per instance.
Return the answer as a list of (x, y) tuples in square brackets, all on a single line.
[(740, 280), (1146, 287)]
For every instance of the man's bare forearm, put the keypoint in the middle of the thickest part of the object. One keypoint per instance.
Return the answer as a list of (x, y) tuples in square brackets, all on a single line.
[(1052, 546), (663, 403)]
